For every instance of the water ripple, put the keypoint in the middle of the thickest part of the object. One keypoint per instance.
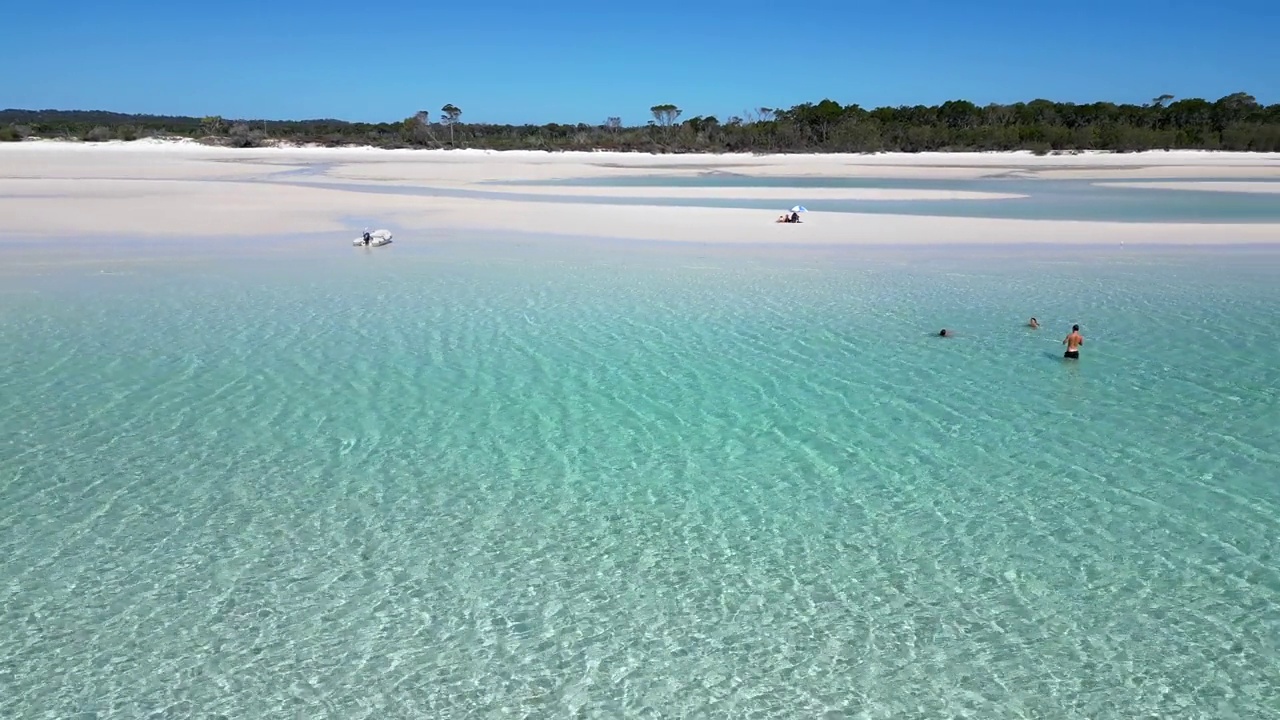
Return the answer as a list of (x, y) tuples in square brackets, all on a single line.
[(452, 488)]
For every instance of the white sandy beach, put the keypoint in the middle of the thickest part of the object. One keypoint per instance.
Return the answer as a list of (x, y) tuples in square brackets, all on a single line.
[(186, 190)]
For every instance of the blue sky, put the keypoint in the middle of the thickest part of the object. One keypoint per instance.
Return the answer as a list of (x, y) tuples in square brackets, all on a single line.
[(576, 61)]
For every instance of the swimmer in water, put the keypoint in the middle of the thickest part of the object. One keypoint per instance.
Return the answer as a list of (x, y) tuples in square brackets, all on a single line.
[(943, 333), (1073, 343), (1034, 324)]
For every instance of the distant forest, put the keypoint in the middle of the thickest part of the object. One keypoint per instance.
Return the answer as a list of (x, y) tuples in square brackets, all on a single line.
[(1234, 122)]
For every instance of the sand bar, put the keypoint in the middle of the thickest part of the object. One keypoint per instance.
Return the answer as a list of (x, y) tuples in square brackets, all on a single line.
[(780, 192), (189, 191), (164, 159)]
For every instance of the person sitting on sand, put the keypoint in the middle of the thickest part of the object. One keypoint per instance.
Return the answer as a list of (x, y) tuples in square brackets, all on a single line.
[(783, 219), (795, 217), (1034, 324)]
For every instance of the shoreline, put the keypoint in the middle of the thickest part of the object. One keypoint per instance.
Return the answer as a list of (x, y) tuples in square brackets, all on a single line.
[(372, 163), (981, 158), (185, 142), (434, 243)]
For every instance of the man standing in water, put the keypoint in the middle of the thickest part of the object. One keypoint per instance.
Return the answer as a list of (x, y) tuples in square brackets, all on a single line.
[(1073, 343)]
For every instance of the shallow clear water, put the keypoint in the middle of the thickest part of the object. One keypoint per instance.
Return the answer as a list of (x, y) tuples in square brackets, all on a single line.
[(481, 481), (1045, 199), (1080, 200)]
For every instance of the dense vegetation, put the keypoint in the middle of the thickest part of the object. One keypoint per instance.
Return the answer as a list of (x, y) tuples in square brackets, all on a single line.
[(1234, 122)]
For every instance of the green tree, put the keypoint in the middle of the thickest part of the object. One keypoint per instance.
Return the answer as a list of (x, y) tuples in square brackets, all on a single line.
[(665, 115), (959, 114), (1232, 109), (1236, 121), (213, 125), (449, 116), (416, 128)]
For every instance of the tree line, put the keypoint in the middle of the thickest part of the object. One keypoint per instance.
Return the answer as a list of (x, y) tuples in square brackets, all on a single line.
[(1234, 122)]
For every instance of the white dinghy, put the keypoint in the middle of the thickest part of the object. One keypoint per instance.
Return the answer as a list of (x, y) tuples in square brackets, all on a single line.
[(377, 238)]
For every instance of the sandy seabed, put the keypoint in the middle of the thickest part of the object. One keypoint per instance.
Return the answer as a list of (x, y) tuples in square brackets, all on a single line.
[(175, 190)]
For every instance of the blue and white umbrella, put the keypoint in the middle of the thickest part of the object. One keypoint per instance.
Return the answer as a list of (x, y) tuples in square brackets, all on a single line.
[(799, 208)]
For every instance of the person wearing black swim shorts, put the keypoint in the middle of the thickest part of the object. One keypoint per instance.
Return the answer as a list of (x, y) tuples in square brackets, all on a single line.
[(1073, 343)]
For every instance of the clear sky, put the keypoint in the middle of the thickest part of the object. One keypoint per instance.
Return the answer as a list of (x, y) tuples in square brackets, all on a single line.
[(581, 61)]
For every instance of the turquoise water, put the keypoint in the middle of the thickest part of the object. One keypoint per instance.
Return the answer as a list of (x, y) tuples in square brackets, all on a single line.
[(1045, 199), (1078, 200), (614, 481)]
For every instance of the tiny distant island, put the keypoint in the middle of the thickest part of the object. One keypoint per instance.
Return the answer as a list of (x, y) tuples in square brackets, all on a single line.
[(1236, 122)]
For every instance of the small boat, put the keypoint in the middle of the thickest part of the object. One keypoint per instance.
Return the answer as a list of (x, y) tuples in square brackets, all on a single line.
[(377, 238)]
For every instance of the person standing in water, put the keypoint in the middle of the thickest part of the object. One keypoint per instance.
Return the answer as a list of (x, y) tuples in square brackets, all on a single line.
[(1034, 324), (1073, 343)]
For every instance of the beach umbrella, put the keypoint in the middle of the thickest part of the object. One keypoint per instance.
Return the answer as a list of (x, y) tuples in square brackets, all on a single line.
[(799, 208)]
